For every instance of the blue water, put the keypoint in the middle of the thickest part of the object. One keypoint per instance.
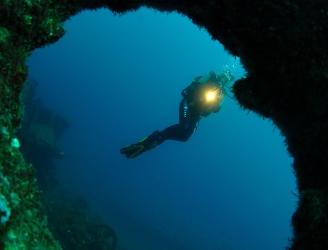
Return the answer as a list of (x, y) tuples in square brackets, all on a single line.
[(119, 79)]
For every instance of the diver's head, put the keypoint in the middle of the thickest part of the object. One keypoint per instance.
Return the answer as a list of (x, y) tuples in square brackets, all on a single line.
[(225, 77)]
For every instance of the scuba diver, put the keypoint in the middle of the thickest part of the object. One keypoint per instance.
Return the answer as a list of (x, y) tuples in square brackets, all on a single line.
[(202, 97)]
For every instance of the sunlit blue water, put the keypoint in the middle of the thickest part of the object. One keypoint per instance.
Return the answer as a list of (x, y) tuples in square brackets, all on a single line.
[(119, 79)]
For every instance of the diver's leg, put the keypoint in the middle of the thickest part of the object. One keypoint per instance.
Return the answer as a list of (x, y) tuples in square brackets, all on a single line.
[(136, 149), (188, 122)]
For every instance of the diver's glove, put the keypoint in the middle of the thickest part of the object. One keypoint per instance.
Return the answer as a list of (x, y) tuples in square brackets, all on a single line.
[(148, 143)]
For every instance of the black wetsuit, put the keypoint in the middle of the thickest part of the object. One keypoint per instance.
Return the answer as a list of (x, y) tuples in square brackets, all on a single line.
[(202, 97), (191, 111)]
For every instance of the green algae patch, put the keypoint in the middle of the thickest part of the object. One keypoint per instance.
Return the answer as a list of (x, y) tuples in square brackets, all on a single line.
[(24, 26), (23, 224)]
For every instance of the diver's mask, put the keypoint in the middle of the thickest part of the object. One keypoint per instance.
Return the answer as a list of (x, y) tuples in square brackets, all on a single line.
[(225, 78)]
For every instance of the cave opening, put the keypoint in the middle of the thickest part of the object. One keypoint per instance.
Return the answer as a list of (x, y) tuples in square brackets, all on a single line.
[(119, 78)]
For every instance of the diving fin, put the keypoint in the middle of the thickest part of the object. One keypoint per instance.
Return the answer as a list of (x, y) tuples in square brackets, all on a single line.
[(148, 143)]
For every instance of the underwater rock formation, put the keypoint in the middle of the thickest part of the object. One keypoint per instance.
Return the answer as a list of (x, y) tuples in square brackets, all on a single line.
[(282, 46), (74, 225)]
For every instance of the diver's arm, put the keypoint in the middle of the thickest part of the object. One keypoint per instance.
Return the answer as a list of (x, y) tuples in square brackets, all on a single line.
[(208, 112), (218, 107), (214, 110), (186, 91)]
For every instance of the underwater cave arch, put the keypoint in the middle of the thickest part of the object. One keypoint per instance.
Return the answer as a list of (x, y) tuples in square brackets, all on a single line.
[(290, 36), (55, 85)]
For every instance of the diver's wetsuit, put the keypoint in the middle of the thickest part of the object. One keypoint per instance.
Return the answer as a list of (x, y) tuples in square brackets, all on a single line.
[(190, 112), (188, 122), (192, 108)]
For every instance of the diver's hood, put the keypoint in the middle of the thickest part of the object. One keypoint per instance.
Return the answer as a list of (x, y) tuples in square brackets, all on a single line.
[(225, 78)]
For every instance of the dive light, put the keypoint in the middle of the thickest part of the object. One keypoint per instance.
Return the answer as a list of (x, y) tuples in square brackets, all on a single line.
[(211, 95)]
